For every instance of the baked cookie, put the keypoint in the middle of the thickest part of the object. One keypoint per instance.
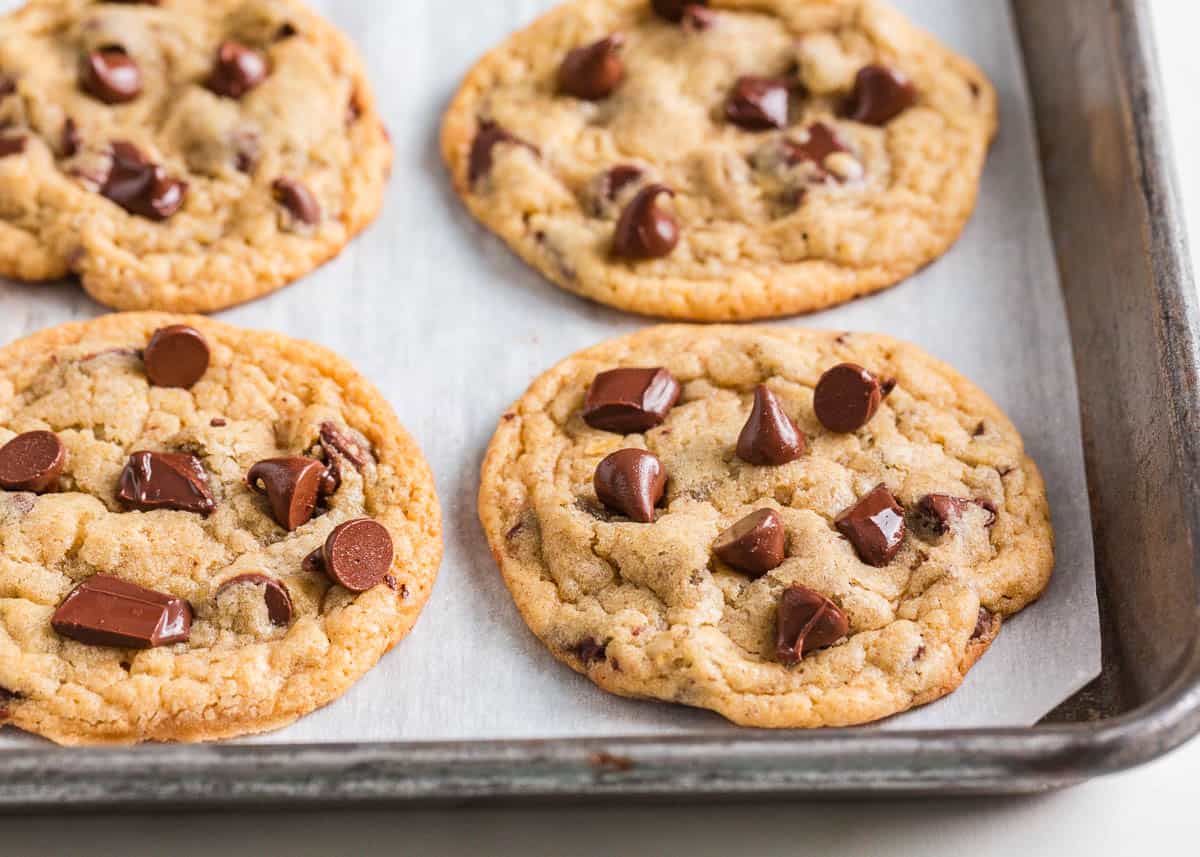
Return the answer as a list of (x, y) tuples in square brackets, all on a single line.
[(184, 155), (793, 528), (204, 531), (731, 160)]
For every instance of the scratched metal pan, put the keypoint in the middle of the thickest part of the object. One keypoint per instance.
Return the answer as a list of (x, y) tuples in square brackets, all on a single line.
[(1134, 325)]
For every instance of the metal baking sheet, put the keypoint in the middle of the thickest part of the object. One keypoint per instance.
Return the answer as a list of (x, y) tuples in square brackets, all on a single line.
[(453, 327)]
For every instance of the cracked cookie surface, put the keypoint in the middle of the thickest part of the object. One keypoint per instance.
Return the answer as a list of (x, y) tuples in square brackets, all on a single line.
[(770, 220), (237, 129), (261, 654), (645, 610)]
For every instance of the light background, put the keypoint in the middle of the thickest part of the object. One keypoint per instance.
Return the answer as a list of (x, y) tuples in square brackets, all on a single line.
[(1135, 813)]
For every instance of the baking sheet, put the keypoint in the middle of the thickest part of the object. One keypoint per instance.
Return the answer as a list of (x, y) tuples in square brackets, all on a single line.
[(453, 327)]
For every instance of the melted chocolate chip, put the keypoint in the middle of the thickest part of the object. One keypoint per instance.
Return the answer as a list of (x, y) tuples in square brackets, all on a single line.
[(617, 179), (984, 621), (32, 461), (627, 401), (589, 651), (177, 356), (759, 103), (358, 554), (107, 611), (644, 230), (846, 397), (820, 141), (672, 10), (755, 544), (489, 135), (807, 620), (297, 199), (875, 526), (165, 480), (275, 594), (110, 75), (218, 422), (880, 95), (71, 141), (237, 70), (631, 482), (769, 436), (593, 71), (340, 441), (141, 187), (939, 512), (292, 485), (12, 145)]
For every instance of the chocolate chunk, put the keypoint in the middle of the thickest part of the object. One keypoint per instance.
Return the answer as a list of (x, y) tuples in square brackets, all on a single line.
[(875, 526), (672, 10), (645, 231), (489, 135), (110, 75), (880, 95), (983, 623), (165, 480), (846, 397), (140, 186), (627, 401), (71, 141), (297, 199), (292, 485), (697, 17), (237, 70), (807, 620), (769, 436), (631, 482), (617, 179), (177, 356), (759, 103), (12, 145), (589, 651), (820, 141), (275, 594), (340, 441), (107, 611), (593, 71), (358, 554), (32, 461), (755, 544), (939, 512)]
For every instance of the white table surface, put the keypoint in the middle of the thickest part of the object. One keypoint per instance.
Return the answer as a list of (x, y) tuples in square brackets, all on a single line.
[(1138, 812)]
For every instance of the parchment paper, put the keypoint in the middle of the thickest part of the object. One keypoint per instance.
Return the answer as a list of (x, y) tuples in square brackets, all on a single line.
[(453, 327)]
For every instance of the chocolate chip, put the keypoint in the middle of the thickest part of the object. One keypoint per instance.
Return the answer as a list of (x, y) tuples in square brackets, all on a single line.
[(297, 199), (71, 140), (983, 624), (875, 526), (177, 356), (275, 594), (697, 17), (358, 554), (32, 461), (615, 180), (593, 71), (286, 31), (140, 186), (672, 10), (627, 401), (807, 620), (165, 480), (292, 485), (237, 69), (846, 397), (589, 651), (108, 611), (769, 436), (755, 544), (820, 141), (759, 103), (340, 441), (110, 75), (489, 135), (314, 561), (7, 85), (939, 512), (631, 482), (12, 145), (218, 422), (247, 148), (645, 231), (880, 95)]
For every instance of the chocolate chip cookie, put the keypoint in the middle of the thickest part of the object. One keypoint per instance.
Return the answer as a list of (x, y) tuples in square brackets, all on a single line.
[(204, 531), (793, 528), (184, 155), (722, 160)]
